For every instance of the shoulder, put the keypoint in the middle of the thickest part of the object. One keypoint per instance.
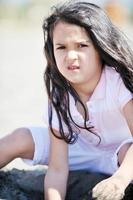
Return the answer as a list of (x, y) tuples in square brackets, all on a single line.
[(116, 88), (113, 79), (111, 74)]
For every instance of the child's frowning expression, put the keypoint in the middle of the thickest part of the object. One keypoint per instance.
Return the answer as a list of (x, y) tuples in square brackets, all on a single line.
[(75, 55)]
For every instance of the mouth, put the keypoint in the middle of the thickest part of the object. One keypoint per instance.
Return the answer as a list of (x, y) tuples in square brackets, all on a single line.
[(73, 67)]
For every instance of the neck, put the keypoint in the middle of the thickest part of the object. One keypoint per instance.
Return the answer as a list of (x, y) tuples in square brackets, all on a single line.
[(86, 90)]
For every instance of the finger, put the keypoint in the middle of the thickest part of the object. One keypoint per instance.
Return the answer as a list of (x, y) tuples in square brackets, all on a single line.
[(113, 196), (106, 196), (98, 191), (108, 193), (119, 195), (98, 187)]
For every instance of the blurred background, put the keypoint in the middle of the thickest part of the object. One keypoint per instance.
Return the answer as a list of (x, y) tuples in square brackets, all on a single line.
[(22, 63)]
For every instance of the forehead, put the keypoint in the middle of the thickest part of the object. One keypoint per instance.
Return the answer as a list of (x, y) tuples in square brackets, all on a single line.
[(65, 31)]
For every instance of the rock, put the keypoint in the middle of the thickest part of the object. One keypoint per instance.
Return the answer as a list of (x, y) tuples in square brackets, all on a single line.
[(32, 181), (10, 186), (80, 184), (28, 185)]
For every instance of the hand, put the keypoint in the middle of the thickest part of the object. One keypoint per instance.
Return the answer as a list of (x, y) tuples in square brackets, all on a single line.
[(112, 188)]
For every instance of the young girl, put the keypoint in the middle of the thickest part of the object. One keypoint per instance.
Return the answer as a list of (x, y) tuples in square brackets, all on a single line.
[(89, 81)]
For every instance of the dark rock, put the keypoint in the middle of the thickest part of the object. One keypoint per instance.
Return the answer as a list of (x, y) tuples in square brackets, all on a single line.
[(32, 181), (28, 185), (10, 186), (80, 184)]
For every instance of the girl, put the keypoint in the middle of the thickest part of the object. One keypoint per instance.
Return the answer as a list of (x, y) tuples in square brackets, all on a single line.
[(89, 81)]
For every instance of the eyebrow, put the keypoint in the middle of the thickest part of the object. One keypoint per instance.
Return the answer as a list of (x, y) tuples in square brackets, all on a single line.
[(82, 41)]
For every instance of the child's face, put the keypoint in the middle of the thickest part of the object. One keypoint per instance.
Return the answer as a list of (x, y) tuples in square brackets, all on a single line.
[(76, 58)]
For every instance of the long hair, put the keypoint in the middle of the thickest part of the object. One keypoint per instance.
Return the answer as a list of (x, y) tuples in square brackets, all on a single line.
[(111, 45)]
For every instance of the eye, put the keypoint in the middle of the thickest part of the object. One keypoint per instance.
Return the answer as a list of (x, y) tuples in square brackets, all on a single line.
[(60, 47), (82, 45)]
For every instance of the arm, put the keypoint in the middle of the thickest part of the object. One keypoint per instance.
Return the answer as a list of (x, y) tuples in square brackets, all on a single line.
[(114, 187), (56, 177), (126, 168)]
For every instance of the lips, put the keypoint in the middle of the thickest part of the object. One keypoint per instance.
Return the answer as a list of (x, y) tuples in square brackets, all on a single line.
[(73, 67)]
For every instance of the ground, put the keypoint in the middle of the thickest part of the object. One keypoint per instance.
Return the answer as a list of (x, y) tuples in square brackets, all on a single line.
[(28, 185)]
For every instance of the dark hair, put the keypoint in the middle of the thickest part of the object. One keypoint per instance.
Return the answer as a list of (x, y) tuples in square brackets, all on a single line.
[(108, 40)]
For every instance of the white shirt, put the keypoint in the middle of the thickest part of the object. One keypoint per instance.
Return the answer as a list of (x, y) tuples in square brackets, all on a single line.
[(105, 110), (105, 114)]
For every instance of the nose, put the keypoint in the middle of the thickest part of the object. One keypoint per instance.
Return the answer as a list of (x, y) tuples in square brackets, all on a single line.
[(72, 55)]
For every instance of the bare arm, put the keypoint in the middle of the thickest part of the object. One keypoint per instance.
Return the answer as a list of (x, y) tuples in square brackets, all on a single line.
[(56, 177), (126, 168), (114, 187)]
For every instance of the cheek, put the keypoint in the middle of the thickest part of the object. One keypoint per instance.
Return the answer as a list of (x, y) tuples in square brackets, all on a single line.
[(59, 64), (94, 59), (59, 60)]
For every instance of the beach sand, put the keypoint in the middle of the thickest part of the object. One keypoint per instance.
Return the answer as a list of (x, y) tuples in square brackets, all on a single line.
[(22, 92)]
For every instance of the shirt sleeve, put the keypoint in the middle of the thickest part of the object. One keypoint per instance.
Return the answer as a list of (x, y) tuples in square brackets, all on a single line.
[(124, 95), (55, 120)]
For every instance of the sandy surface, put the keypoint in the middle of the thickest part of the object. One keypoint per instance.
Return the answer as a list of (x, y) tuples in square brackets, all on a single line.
[(22, 64), (22, 93)]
